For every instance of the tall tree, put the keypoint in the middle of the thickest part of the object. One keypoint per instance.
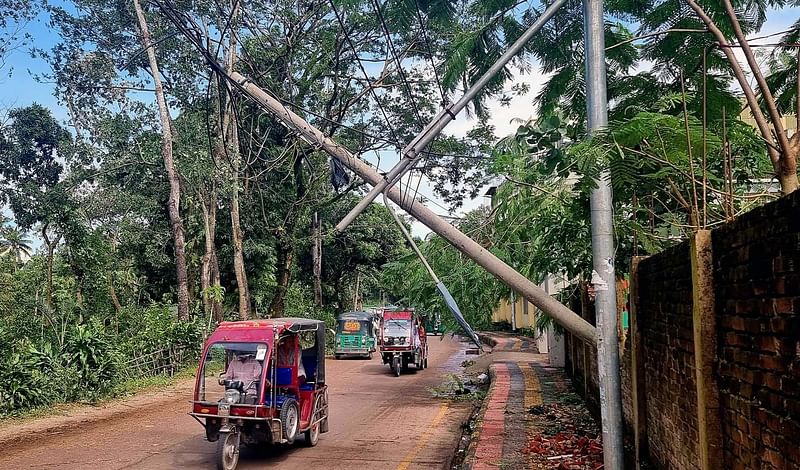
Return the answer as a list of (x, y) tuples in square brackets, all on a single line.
[(174, 201), (16, 244), (229, 129), (34, 151)]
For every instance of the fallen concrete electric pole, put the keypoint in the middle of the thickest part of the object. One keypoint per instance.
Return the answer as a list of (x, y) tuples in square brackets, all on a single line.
[(565, 317), (414, 151)]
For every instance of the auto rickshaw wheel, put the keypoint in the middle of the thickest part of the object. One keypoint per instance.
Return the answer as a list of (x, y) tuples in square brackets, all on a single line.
[(312, 435), (425, 363), (290, 420), (228, 451), (396, 366), (337, 356)]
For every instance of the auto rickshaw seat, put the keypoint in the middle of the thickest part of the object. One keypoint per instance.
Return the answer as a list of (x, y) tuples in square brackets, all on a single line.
[(283, 376), (309, 359)]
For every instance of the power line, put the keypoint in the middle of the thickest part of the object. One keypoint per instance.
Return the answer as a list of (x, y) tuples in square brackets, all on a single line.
[(364, 71), (396, 58), (430, 53)]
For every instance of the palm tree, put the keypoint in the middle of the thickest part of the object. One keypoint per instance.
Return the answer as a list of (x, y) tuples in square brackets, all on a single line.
[(14, 242)]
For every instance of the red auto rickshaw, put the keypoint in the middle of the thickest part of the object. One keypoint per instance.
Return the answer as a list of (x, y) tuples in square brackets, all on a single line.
[(403, 340), (262, 382)]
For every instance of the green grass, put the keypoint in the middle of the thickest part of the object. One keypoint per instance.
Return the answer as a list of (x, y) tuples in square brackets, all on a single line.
[(125, 388)]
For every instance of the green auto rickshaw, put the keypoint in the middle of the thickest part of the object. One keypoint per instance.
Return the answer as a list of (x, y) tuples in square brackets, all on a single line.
[(355, 335), (433, 324)]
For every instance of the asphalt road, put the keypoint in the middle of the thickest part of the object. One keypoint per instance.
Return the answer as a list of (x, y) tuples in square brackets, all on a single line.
[(377, 421)]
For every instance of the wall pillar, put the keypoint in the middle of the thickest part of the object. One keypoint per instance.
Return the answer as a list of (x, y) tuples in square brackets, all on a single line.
[(705, 351), (638, 385)]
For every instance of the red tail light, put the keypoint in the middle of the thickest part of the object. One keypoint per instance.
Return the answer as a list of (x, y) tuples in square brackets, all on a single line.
[(204, 409)]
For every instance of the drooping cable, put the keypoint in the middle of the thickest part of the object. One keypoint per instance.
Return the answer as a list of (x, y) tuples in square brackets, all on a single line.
[(364, 72), (430, 53), (396, 58)]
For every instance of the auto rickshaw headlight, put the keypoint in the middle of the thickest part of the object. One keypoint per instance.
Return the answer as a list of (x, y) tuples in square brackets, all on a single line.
[(231, 396)]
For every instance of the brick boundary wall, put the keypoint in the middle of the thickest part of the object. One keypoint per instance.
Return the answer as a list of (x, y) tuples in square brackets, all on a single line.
[(756, 281)]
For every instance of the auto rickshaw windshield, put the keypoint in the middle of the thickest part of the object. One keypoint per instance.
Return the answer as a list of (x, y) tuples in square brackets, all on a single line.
[(397, 328), (233, 362)]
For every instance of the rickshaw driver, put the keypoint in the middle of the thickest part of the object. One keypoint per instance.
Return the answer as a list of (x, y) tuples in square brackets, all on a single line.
[(244, 368)]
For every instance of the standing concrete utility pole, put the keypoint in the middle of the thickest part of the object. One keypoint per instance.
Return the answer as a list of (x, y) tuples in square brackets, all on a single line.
[(603, 277), (570, 320), (414, 151)]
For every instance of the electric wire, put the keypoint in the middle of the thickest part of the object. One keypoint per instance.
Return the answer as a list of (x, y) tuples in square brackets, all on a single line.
[(364, 71), (190, 31), (403, 77), (430, 53), (396, 58)]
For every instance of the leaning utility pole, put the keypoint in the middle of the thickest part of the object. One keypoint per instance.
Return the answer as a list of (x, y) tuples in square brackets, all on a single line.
[(603, 276), (570, 320), (415, 150), (602, 223)]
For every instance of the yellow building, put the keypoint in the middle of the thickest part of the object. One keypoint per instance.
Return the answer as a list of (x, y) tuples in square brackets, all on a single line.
[(789, 121)]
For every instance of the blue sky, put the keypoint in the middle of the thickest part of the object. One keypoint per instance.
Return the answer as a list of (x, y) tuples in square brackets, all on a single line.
[(18, 88)]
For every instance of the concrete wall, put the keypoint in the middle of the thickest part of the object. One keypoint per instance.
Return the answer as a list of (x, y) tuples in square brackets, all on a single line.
[(749, 398)]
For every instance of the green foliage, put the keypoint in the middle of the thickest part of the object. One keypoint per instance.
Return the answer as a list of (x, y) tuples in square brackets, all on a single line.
[(475, 290), (87, 360), (145, 330)]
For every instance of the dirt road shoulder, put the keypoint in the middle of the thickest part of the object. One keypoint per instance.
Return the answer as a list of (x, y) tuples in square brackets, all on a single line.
[(73, 416)]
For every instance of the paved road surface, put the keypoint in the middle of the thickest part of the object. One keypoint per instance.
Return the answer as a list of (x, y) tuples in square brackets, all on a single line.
[(377, 421)]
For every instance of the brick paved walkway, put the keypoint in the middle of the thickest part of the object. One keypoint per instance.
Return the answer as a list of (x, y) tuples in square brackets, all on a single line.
[(522, 382)]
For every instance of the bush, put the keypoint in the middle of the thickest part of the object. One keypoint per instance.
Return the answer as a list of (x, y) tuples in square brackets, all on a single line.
[(92, 358), (145, 330)]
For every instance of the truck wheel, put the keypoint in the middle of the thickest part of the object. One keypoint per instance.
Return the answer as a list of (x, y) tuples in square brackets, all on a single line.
[(290, 420), (227, 451)]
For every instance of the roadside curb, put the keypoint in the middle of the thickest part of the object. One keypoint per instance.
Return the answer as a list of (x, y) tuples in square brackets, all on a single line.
[(487, 339), (487, 445)]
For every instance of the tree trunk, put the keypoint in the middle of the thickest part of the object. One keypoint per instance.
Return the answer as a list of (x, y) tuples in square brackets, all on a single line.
[(316, 257), (230, 130), (174, 201), (209, 277), (113, 293), (784, 161), (238, 257), (50, 245), (283, 275)]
